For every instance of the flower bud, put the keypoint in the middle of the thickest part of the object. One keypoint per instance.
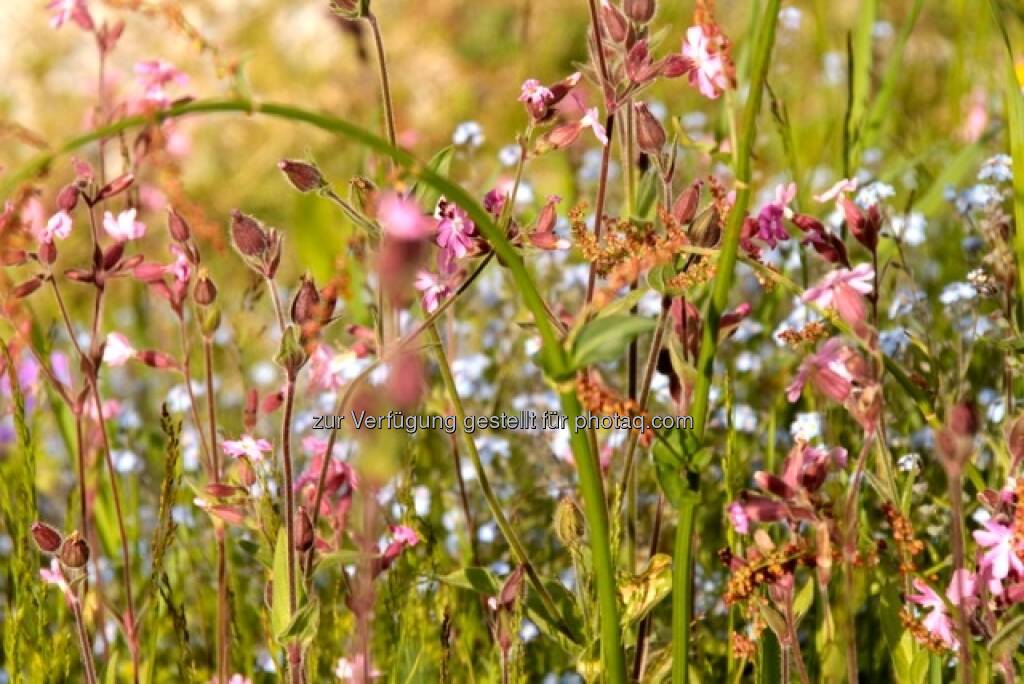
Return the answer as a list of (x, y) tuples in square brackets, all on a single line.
[(74, 552), (177, 226), (685, 206), (650, 135), (302, 530), (864, 226), (248, 235), (639, 11), (249, 412), (245, 473), (675, 66), (205, 292), (113, 255), (47, 253), (291, 356), (303, 176), (80, 276), (963, 419), (157, 359), (614, 22), (306, 303), (13, 257), (568, 522), (67, 198), (211, 320), (706, 229), (114, 187), (47, 538), (26, 288)]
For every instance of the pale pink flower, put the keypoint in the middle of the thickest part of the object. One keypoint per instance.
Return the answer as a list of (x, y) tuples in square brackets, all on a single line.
[(708, 71), (55, 575), (591, 119), (401, 218), (124, 227), (534, 92), (247, 446), (1001, 555), (844, 290), (840, 188), (181, 268), (59, 226), (937, 621), (155, 75), (827, 370), (326, 366), (433, 288), (738, 518), (455, 230), (111, 409), (118, 350), (73, 10), (405, 535)]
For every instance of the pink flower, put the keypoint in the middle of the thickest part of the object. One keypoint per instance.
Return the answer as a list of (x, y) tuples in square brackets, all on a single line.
[(533, 92), (591, 119), (455, 230), (326, 366), (246, 446), (59, 226), (708, 68), (769, 220), (1001, 555), (111, 409), (124, 227), (434, 289), (405, 535), (844, 289), (937, 621), (118, 350), (738, 518), (827, 370), (55, 575), (181, 268), (401, 218), (74, 10), (840, 188), (155, 75)]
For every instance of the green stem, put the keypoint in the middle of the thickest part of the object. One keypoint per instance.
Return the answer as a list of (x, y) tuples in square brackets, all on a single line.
[(682, 592)]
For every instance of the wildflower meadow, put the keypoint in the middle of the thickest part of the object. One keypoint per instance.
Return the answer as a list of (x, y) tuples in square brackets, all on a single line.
[(511, 341)]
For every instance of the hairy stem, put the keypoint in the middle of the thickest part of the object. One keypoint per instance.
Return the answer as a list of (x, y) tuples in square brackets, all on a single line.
[(84, 644), (295, 670)]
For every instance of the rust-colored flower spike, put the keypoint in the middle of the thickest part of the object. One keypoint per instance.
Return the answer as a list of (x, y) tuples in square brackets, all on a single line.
[(303, 176), (650, 135), (177, 226), (46, 537), (614, 21), (74, 552), (640, 11)]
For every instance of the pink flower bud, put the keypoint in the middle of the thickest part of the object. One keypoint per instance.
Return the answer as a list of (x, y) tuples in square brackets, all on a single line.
[(26, 288), (47, 538), (614, 22), (114, 187), (303, 176), (685, 206), (67, 198), (248, 235), (177, 226), (47, 252), (650, 135), (149, 272), (157, 359), (639, 11)]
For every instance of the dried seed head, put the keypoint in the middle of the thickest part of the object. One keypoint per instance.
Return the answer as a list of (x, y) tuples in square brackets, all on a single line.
[(74, 552), (303, 530), (248, 235), (47, 538), (639, 11), (650, 135), (177, 226), (303, 176)]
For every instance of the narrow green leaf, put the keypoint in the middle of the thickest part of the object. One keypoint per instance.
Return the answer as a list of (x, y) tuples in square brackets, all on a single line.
[(606, 338), (280, 612), (1007, 639), (426, 195)]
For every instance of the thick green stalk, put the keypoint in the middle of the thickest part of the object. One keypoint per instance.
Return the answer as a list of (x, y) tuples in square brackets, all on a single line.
[(682, 599), (554, 356)]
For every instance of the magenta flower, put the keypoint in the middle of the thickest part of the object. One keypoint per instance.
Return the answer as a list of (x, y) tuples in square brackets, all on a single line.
[(73, 10), (769, 220), (118, 350), (401, 218), (937, 621), (827, 370), (533, 92), (708, 69), (247, 446), (738, 518), (844, 290), (55, 575), (155, 75), (124, 227), (405, 535), (181, 268), (434, 289), (1001, 555), (455, 230), (59, 226)]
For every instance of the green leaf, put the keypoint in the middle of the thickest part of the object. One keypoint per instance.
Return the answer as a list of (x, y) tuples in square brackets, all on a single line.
[(803, 599), (280, 610), (480, 580), (303, 625), (648, 193), (424, 193), (1006, 640), (606, 338), (641, 593)]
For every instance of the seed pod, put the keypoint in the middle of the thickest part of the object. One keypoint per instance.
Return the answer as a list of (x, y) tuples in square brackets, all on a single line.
[(639, 11), (706, 229), (177, 226), (74, 552), (211, 320), (306, 303), (67, 198), (303, 176), (650, 135), (614, 22), (303, 530), (47, 538), (205, 292), (248, 235), (291, 356)]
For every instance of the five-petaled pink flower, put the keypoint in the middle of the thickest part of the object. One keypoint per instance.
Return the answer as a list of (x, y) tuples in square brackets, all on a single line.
[(181, 268), (738, 517), (247, 446), (844, 290), (124, 226), (455, 230), (73, 10), (434, 289), (1001, 554), (405, 535), (118, 350), (59, 226), (827, 370), (708, 72), (402, 218), (769, 220), (937, 621)]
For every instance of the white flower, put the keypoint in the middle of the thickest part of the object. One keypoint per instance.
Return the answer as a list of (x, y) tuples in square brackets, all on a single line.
[(124, 226)]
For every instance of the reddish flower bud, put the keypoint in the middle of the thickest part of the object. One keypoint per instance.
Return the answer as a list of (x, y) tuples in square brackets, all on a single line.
[(685, 206), (47, 538), (864, 227), (14, 257), (26, 288), (80, 276), (114, 187), (232, 515), (248, 235), (205, 292), (302, 530), (245, 473), (650, 135), (47, 253), (563, 135), (272, 402), (67, 198), (223, 491), (74, 552), (113, 255), (157, 359), (249, 412), (306, 303), (639, 11), (303, 176), (177, 226), (675, 66), (614, 22), (640, 66), (149, 272), (963, 419)]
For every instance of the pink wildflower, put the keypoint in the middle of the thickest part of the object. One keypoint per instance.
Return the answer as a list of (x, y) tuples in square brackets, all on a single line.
[(840, 188), (59, 226), (401, 218), (535, 93), (73, 10), (1001, 555), (405, 535), (124, 227), (181, 268), (455, 230), (769, 220), (155, 75), (738, 518), (247, 446), (827, 370), (937, 621), (708, 72), (434, 289), (844, 289), (590, 119), (118, 350)]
